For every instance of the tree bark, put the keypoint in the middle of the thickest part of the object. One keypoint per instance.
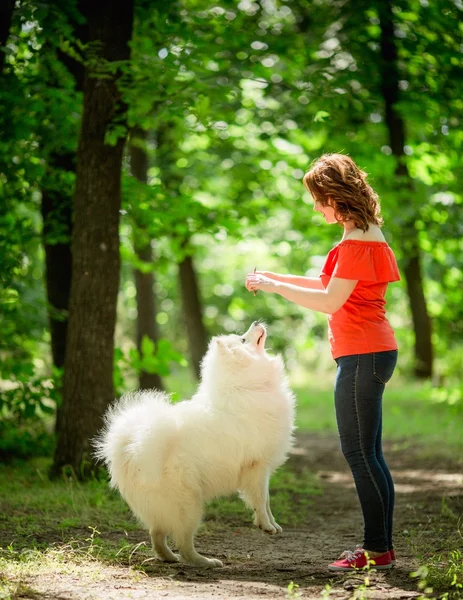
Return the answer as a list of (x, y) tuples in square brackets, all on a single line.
[(411, 263), (192, 312), (144, 282), (88, 373)]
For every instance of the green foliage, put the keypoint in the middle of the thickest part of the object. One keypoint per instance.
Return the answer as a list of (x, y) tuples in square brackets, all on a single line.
[(156, 358), (28, 396), (442, 576), (152, 358), (25, 439), (39, 116), (237, 100), (26, 404), (293, 591)]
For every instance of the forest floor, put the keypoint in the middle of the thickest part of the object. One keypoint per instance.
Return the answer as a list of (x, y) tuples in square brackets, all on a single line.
[(429, 500)]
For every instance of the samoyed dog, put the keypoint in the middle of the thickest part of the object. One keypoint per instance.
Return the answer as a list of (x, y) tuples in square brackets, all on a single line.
[(168, 459)]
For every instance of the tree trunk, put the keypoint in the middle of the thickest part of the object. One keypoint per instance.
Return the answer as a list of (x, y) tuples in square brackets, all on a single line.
[(88, 373), (6, 14), (144, 282), (197, 335), (411, 263)]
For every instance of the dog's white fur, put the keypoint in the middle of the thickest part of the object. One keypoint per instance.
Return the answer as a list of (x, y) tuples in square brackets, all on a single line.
[(168, 459)]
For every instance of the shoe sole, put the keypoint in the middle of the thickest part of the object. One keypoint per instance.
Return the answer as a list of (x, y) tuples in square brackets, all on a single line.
[(372, 567)]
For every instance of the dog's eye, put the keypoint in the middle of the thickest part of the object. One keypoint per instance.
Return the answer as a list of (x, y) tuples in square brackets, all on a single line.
[(243, 340)]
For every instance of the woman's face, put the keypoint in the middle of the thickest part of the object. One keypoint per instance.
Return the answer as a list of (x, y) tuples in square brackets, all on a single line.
[(326, 211)]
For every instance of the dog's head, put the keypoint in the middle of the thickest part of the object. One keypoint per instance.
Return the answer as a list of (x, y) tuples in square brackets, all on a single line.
[(242, 348), (240, 357)]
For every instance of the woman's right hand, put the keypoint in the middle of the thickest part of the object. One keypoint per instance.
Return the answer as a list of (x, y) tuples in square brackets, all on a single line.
[(268, 274)]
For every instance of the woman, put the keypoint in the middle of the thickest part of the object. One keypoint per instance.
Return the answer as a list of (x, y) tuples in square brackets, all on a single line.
[(351, 289)]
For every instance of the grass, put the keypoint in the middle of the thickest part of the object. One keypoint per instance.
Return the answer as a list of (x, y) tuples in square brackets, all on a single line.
[(440, 553), (290, 496), (444, 573), (36, 505)]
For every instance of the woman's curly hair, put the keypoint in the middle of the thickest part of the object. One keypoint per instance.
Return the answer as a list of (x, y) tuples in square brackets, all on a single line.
[(336, 177)]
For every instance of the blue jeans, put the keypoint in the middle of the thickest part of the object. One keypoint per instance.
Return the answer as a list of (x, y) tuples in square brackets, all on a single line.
[(358, 393)]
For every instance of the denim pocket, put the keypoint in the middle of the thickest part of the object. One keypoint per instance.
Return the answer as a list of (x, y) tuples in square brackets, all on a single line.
[(384, 364)]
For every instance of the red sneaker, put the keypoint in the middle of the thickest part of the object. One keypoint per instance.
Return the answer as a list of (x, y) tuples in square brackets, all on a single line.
[(348, 553), (359, 560)]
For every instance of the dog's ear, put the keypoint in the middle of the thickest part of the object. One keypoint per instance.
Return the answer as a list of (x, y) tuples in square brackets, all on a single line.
[(221, 346)]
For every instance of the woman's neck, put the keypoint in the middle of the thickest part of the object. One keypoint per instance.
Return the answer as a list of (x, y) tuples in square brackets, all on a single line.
[(349, 227)]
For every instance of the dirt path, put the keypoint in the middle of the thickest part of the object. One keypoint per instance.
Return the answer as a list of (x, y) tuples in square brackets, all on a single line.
[(258, 566)]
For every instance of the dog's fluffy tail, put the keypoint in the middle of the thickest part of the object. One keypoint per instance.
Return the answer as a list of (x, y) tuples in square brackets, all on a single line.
[(136, 438)]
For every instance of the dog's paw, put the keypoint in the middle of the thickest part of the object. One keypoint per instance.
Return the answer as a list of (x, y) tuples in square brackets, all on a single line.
[(266, 527), (215, 563), (270, 531), (208, 563), (277, 527), (171, 558)]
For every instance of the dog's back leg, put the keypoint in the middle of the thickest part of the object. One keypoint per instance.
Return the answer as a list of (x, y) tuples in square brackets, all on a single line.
[(270, 515), (158, 540)]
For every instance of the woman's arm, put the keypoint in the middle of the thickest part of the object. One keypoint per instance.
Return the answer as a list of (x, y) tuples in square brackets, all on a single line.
[(313, 283), (327, 301)]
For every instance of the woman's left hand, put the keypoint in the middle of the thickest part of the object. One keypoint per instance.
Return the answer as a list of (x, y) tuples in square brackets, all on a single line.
[(256, 281)]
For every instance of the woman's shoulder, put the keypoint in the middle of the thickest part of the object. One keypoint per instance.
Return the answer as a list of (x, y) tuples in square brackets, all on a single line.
[(362, 257)]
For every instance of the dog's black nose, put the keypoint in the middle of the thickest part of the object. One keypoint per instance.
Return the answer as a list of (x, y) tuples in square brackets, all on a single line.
[(255, 323)]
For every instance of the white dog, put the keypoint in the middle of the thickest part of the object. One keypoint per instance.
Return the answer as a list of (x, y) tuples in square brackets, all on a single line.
[(168, 459)]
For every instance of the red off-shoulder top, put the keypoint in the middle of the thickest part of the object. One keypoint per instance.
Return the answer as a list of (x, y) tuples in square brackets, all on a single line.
[(360, 325)]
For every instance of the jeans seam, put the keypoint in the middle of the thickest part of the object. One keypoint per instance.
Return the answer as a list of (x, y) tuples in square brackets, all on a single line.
[(378, 377), (362, 451)]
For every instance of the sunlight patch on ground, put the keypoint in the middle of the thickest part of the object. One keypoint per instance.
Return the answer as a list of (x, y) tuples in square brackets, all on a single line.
[(434, 477), (63, 570), (344, 479), (421, 480)]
